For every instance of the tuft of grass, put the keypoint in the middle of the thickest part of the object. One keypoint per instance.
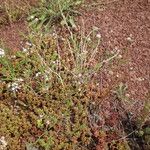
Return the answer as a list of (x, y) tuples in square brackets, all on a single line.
[(50, 12)]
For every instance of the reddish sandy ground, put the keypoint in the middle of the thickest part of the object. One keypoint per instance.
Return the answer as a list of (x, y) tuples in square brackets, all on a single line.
[(125, 25), (11, 36)]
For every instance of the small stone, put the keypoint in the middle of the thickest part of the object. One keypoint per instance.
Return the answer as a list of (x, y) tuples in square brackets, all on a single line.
[(97, 84), (98, 36), (110, 72), (129, 39), (120, 56), (131, 68), (117, 76), (131, 35), (140, 79), (111, 31)]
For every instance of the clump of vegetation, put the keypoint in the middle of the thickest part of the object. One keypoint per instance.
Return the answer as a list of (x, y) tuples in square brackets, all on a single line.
[(49, 98), (136, 128), (48, 94), (49, 12)]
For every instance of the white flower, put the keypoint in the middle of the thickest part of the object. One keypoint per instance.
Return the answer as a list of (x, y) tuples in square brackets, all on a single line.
[(37, 74), (98, 36), (41, 115), (46, 77), (36, 19), (127, 95), (54, 62), (20, 80), (24, 49), (32, 17), (15, 86), (88, 39), (54, 35), (2, 53), (79, 75), (3, 143), (47, 122), (13, 56)]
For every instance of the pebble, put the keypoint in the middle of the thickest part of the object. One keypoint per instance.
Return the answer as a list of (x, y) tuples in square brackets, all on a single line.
[(140, 79), (98, 36), (111, 72)]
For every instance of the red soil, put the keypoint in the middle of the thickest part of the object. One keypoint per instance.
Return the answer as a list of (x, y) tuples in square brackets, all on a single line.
[(125, 25), (12, 35)]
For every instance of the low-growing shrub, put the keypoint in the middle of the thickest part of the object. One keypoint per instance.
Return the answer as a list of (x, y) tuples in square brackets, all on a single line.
[(45, 96)]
